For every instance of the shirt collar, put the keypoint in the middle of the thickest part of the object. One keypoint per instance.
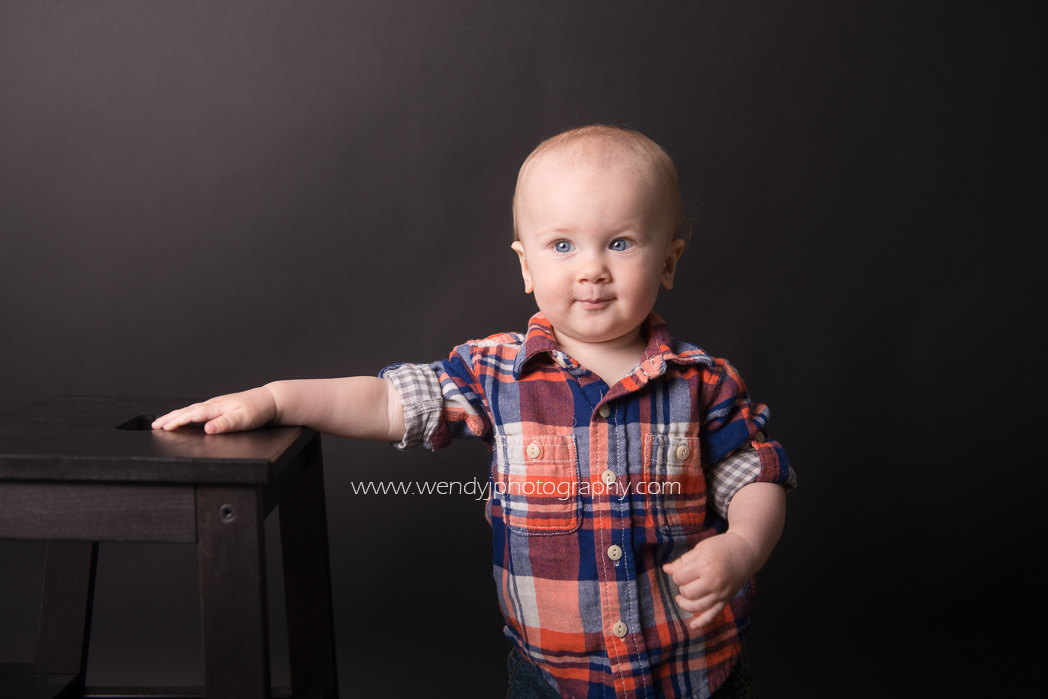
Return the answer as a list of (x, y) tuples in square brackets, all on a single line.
[(539, 341)]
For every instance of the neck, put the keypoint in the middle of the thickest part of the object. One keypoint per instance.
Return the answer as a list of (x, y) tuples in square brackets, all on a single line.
[(610, 359)]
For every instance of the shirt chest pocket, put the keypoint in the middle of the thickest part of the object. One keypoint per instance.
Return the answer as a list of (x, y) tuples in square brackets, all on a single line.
[(538, 483), (676, 484)]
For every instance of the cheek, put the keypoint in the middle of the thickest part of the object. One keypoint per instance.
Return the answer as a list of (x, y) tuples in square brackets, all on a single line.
[(549, 276), (548, 293), (645, 278)]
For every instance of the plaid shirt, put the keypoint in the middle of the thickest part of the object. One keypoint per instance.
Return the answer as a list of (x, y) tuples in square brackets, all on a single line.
[(593, 490)]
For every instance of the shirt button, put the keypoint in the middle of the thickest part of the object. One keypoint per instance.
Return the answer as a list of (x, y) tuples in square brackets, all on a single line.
[(614, 552), (534, 450), (608, 477), (604, 411), (683, 452), (619, 629)]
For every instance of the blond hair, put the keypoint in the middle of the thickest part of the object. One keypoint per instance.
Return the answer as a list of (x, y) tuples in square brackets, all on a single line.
[(579, 142)]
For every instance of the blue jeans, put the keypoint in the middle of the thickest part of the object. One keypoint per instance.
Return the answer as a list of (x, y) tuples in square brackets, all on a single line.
[(527, 682)]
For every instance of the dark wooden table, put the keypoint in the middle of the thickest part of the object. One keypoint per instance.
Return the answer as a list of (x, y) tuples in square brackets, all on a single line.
[(75, 471)]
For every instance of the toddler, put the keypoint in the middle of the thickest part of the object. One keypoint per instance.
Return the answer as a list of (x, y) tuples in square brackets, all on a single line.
[(634, 494)]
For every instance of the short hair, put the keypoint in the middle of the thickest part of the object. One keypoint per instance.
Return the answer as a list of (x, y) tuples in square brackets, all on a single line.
[(609, 138)]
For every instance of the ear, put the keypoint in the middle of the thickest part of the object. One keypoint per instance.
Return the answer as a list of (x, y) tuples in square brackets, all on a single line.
[(669, 269), (518, 248)]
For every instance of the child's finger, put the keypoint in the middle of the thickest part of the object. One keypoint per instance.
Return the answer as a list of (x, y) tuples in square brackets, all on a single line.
[(680, 570), (696, 606), (696, 588), (183, 417), (165, 418), (226, 422), (706, 618), (198, 412), (676, 563), (217, 426)]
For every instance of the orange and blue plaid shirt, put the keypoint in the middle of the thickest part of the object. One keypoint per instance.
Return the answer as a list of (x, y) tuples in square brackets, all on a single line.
[(593, 489)]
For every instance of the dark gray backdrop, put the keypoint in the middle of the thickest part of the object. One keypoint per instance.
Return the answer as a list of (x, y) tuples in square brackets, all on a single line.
[(198, 197)]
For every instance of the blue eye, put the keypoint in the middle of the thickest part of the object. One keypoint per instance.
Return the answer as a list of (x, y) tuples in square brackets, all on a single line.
[(620, 244), (563, 246)]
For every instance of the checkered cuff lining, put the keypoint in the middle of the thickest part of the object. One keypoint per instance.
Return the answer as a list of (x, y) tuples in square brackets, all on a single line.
[(731, 473), (420, 395)]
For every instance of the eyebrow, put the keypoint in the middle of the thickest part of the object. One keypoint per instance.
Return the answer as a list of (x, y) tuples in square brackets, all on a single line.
[(631, 228)]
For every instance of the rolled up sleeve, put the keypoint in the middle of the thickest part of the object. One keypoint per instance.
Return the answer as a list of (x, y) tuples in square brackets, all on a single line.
[(419, 389), (739, 452), (732, 473)]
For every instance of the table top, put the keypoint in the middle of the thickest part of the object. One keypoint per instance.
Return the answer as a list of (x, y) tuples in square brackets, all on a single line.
[(90, 438)]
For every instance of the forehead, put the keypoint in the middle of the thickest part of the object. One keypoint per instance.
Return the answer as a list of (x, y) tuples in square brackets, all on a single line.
[(599, 152), (587, 154), (555, 171), (589, 202)]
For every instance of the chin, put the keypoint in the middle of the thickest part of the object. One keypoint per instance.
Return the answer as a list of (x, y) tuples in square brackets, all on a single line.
[(603, 334)]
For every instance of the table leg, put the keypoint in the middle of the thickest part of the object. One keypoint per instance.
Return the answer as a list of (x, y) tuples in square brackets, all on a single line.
[(65, 608), (234, 619), (307, 583)]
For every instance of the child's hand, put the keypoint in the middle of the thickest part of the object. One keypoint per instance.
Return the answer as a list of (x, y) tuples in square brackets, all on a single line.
[(231, 413), (709, 575)]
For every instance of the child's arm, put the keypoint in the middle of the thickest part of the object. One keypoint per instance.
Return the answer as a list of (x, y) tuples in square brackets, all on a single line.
[(363, 407), (710, 574)]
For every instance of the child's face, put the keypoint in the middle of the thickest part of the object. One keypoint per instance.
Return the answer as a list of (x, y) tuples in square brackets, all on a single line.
[(595, 244)]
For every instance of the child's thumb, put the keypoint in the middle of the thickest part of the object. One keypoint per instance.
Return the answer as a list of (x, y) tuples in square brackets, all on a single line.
[(676, 563)]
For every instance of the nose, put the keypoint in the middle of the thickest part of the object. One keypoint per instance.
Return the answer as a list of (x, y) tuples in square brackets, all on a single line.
[(592, 268)]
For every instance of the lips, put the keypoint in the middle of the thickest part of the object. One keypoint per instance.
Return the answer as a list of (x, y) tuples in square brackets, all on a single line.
[(593, 304)]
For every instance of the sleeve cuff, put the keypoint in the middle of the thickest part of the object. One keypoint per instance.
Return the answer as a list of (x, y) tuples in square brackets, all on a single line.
[(420, 394), (730, 474)]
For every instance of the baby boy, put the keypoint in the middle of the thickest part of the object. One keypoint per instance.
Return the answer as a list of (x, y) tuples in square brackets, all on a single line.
[(634, 494)]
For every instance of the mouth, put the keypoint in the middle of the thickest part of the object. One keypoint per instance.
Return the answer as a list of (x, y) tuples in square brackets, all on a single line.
[(593, 304)]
